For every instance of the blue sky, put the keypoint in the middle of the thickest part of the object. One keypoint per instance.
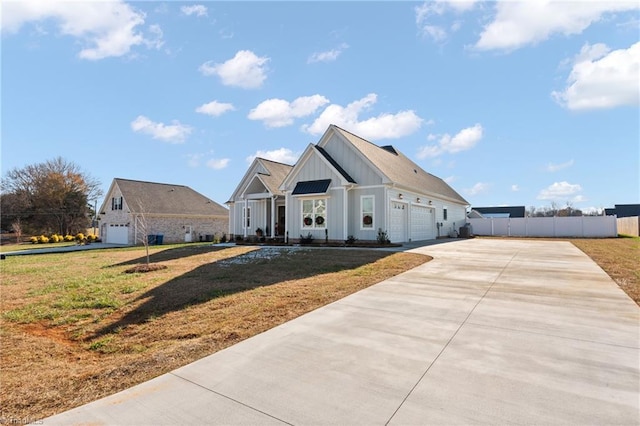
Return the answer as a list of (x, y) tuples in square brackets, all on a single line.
[(512, 103)]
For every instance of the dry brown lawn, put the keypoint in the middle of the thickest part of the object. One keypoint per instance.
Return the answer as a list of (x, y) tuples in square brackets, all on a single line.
[(76, 328), (619, 258)]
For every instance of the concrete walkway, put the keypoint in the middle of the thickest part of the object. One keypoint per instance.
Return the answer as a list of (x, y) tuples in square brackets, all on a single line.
[(489, 332), (63, 249)]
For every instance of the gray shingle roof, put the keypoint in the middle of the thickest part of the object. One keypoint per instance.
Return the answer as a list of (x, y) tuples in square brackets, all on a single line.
[(277, 173), (400, 169), (164, 198)]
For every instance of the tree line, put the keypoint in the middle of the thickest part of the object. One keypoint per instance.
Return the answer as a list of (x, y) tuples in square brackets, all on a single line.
[(48, 197), (556, 210)]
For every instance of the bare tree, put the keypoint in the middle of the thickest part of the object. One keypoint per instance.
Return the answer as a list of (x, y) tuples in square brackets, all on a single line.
[(16, 227), (143, 228)]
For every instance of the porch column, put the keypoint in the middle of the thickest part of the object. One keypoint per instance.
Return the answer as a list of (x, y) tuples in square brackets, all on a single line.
[(286, 214), (273, 215), (245, 216), (345, 214)]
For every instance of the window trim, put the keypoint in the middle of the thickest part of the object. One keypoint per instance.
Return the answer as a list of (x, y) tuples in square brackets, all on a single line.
[(372, 213), (116, 203), (246, 217), (314, 216), (445, 213)]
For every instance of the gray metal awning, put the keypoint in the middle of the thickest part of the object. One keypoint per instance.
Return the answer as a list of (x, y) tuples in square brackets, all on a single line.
[(312, 187)]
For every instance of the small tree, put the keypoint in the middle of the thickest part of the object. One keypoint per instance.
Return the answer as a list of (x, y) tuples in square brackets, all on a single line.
[(143, 228), (16, 227)]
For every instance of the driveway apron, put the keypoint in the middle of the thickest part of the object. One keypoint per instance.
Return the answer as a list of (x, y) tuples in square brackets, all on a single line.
[(488, 332)]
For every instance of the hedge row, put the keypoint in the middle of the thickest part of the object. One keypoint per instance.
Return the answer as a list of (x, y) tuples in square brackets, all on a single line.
[(55, 238)]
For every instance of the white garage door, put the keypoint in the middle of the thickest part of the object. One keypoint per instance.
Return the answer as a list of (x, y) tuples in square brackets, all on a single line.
[(422, 223), (398, 222), (117, 234)]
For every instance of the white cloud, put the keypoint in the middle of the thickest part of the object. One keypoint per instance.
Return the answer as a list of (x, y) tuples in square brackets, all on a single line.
[(561, 191), (478, 188), (328, 56), (431, 11), (196, 9), (519, 23), (450, 179), (105, 29), (551, 167), (601, 78), (215, 108), (384, 126), (218, 163), (281, 155), (172, 133), (281, 113), (515, 188), (465, 139), (245, 70)]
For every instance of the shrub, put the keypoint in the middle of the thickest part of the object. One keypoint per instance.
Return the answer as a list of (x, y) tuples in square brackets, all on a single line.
[(33, 240), (383, 238), (69, 238), (306, 240), (80, 236), (350, 240), (91, 238), (224, 238), (42, 239), (54, 239)]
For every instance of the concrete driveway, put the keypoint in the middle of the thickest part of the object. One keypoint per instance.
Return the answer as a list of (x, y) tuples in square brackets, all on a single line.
[(489, 332)]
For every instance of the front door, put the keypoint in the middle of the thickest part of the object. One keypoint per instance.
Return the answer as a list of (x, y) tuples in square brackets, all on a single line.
[(281, 220), (188, 235)]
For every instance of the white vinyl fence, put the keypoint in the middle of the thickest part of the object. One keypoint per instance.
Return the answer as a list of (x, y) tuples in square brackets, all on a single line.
[(574, 226)]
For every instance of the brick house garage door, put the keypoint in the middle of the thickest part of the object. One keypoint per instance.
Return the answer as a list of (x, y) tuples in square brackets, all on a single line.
[(398, 221), (117, 234), (423, 223)]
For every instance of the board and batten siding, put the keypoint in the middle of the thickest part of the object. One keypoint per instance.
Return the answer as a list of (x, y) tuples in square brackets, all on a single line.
[(315, 169), (354, 225), (344, 154), (257, 213), (334, 221)]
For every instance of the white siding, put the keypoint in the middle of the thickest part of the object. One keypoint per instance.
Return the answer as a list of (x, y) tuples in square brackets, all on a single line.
[(334, 219), (354, 213), (315, 169), (353, 164)]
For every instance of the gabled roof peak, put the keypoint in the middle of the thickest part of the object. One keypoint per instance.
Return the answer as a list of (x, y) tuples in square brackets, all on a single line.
[(273, 161)]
